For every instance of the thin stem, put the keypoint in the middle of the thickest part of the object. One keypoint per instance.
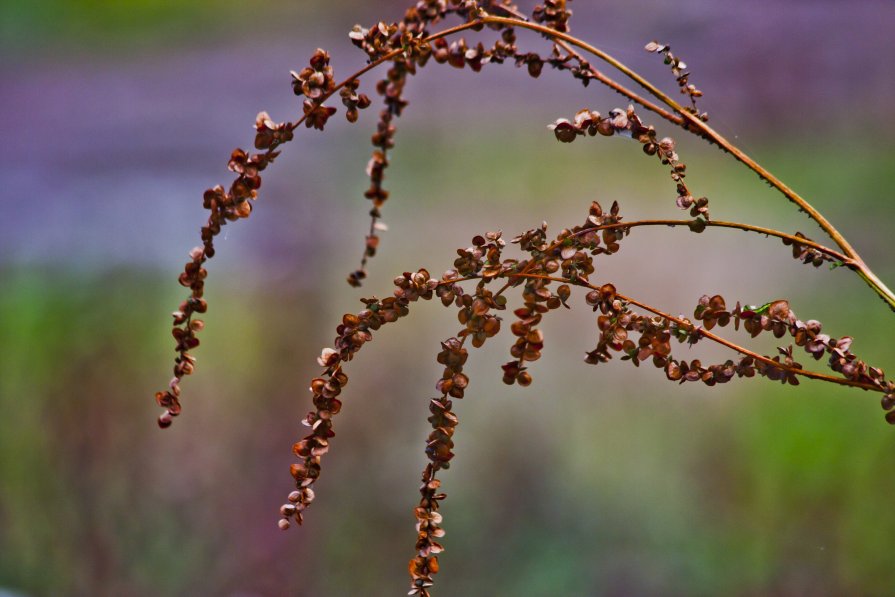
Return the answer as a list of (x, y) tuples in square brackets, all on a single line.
[(707, 334), (735, 225), (612, 84)]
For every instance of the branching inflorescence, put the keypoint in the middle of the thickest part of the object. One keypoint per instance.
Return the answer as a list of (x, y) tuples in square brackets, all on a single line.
[(544, 272)]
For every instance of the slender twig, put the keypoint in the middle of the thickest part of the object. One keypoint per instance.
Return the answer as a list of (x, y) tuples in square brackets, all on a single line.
[(709, 335), (846, 261), (615, 85)]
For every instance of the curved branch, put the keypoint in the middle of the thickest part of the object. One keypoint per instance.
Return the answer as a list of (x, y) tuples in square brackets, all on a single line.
[(709, 335), (847, 261)]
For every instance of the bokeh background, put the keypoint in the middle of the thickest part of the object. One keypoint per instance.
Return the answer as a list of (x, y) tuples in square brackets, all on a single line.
[(593, 481)]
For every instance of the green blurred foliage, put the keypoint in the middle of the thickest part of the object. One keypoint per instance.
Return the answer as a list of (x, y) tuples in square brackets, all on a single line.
[(97, 23), (127, 27)]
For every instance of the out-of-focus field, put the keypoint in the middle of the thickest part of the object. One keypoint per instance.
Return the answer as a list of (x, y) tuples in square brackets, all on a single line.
[(593, 481)]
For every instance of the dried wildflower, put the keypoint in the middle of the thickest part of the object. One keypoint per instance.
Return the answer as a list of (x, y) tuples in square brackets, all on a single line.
[(544, 274), (439, 451), (355, 331), (268, 136), (224, 206), (314, 80), (807, 254), (711, 311), (378, 41), (316, 116)]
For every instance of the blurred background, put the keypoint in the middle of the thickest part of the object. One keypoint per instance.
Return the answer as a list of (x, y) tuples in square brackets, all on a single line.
[(593, 481)]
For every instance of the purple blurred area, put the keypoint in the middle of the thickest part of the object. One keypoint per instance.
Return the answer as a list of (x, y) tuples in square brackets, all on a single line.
[(117, 116), (97, 140)]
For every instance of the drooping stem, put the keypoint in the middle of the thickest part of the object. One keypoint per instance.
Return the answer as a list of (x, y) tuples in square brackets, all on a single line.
[(709, 335)]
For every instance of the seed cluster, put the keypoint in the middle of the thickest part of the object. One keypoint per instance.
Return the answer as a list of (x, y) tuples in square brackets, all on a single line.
[(653, 336), (439, 448), (315, 82), (679, 70), (353, 333), (224, 206)]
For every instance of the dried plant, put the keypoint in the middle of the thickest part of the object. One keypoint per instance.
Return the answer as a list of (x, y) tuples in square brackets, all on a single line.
[(544, 269)]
